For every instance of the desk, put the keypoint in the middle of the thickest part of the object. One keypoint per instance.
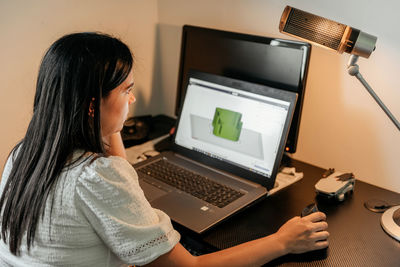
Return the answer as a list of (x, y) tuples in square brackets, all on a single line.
[(356, 236)]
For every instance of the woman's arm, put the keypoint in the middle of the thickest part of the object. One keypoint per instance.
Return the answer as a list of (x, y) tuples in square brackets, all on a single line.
[(298, 235), (114, 145)]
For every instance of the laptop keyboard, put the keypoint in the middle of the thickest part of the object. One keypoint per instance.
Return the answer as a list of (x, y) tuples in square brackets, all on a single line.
[(194, 184)]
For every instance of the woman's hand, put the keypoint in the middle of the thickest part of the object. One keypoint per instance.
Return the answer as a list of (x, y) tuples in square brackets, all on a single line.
[(304, 234), (298, 235)]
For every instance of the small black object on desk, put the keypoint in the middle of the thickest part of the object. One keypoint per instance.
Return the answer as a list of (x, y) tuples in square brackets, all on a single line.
[(311, 208)]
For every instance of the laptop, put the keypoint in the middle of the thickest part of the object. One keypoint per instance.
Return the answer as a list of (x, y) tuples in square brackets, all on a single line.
[(227, 148)]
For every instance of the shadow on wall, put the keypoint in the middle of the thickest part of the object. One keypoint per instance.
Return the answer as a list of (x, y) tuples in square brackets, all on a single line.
[(161, 100), (166, 68)]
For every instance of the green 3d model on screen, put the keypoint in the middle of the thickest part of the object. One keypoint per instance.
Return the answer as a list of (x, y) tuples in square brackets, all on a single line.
[(227, 124)]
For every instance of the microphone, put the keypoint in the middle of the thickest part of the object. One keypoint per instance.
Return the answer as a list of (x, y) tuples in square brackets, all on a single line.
[(325, 32)]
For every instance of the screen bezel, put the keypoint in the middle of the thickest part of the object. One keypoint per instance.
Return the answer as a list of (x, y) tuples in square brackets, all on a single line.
[(248, 87)]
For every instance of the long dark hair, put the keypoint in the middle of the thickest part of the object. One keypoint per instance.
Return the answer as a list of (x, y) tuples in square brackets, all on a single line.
[(75, 73)]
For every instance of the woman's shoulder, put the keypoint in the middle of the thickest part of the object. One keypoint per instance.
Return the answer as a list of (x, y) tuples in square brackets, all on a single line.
[(111, 165), (107, 162), (102, 171)]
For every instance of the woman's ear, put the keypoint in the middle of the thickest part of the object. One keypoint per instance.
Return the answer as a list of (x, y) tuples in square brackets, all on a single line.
[(91, 108), (132, 98)]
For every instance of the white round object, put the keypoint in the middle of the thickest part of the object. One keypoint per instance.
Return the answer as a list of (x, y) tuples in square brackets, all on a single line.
[(388, 223)]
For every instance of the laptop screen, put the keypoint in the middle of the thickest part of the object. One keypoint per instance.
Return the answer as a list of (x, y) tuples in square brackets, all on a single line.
[(240, 127)]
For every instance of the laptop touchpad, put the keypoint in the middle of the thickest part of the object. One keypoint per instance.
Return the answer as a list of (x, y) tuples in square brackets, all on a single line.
[(151, 192)]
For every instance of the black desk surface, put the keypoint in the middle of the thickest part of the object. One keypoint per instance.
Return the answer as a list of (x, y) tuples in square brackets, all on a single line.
[(356, 236)]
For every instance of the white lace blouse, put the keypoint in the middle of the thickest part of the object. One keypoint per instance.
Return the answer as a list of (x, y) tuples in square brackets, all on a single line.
[(100, 217)]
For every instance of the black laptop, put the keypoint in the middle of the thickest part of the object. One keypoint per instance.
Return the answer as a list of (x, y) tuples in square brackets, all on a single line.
[(227, 149)]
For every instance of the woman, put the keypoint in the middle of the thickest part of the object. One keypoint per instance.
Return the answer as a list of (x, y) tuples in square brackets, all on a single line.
[(68, 195)]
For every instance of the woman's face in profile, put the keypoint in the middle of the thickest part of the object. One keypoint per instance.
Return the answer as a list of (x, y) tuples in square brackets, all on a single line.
[(115, 107)]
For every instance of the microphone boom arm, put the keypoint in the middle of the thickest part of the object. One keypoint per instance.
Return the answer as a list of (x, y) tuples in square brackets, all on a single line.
[(353, 70)]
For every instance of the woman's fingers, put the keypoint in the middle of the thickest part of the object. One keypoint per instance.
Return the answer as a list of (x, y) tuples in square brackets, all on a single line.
[(316, 217), (318, 236), (321, 244), (319, 226)]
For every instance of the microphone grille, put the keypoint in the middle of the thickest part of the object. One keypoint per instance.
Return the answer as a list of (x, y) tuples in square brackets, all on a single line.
[(312, 27)]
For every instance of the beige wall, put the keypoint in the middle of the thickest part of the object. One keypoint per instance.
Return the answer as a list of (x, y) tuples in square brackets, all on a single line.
[(341, 126), (29, 27)]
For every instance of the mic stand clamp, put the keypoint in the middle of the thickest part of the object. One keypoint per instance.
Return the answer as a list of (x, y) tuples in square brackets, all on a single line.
[(353, 70)]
